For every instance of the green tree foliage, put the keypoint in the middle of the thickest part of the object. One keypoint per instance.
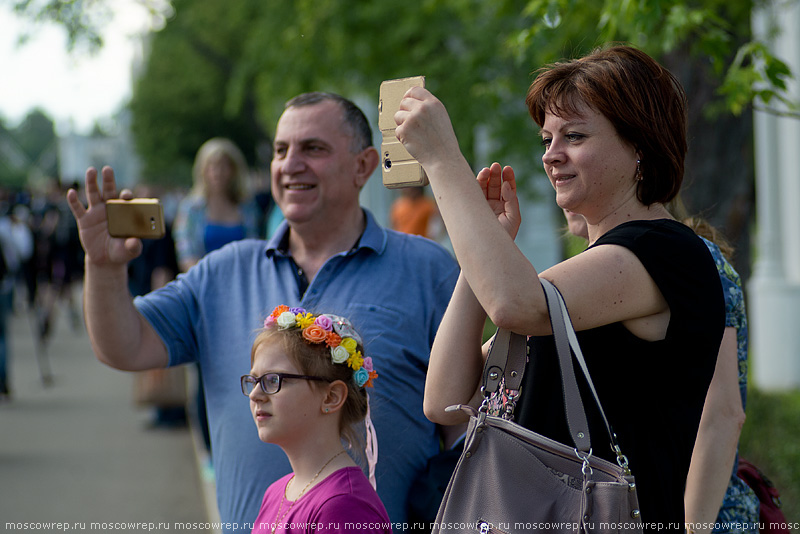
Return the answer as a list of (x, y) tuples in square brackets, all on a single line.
[(11, 175), (226, 68), (182, 96), (478, 56), (30, 149), (37, 137), (81, 19), (250, 56)]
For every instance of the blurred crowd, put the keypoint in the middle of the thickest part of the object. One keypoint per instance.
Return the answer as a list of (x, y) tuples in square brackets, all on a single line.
[(42, 259)]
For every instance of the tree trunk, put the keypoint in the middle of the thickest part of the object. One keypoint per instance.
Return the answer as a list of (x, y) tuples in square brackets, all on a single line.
[(719, 183)]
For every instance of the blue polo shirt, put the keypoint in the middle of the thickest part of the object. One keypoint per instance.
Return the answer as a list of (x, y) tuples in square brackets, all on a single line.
[(394, 288)]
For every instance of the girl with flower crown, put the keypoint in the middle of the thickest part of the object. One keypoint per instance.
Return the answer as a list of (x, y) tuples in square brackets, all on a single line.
[(307, 390)]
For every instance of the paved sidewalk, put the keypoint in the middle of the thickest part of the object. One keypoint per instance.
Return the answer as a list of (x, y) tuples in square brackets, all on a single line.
[(78, 451)]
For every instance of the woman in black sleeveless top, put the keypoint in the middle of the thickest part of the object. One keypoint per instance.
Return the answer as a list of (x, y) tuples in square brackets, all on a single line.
[(645, 296)]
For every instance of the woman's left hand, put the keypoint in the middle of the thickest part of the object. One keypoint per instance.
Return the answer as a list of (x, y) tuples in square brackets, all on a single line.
[(499, 186)]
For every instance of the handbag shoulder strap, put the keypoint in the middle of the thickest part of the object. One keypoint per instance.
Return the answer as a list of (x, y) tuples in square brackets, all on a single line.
[(508, 355), (567, 339), (576, 414)]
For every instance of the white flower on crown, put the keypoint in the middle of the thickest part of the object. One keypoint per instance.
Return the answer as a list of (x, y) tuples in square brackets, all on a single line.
[(339, 354), (286, 320)]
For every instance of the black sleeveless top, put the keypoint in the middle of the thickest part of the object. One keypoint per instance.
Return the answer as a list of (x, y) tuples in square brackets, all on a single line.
[(652, 392)]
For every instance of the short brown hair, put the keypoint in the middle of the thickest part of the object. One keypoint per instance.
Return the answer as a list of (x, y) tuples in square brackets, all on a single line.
[(644, 101), (354, 119)]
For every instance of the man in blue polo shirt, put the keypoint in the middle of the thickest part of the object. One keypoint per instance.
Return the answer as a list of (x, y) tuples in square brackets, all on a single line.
[(329, 255)]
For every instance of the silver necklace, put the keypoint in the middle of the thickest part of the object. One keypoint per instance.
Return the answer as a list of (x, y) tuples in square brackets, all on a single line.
[(278, 517)]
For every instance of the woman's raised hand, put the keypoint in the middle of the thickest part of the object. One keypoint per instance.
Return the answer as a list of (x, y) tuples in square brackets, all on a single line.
[(424, 128), (100, 247), (499, 186)]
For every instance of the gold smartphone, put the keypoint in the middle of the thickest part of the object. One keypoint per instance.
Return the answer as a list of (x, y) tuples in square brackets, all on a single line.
[(139, 217), (398, 167)]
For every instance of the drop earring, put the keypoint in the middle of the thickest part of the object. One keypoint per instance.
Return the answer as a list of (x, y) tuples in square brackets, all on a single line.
[(639, 176)]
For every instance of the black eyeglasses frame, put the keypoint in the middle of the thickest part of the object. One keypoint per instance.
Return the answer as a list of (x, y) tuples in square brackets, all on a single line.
[(247, 380)]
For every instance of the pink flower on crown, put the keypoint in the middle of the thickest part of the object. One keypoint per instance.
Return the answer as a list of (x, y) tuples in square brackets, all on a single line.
[(368, 363), (269, 321), (324, 322)]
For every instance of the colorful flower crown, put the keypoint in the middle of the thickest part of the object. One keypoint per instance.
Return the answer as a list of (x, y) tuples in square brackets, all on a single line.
[(336, 332)]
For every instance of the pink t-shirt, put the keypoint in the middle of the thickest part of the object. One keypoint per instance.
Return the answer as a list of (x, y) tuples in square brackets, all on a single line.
[(343, 502)]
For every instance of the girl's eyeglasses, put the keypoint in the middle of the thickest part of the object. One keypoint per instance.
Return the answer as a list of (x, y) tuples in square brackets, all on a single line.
[(271, 382)]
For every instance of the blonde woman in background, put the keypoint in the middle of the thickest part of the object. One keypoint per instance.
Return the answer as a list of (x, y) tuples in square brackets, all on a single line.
[(218, 210)]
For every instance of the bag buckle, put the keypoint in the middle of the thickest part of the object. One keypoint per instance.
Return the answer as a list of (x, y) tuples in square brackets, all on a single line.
[(586, 468), (622, 460), (484, 407)]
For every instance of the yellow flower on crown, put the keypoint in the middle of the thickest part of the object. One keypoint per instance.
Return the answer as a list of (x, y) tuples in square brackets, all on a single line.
[(304, 320), (355, 361), (350, 344)]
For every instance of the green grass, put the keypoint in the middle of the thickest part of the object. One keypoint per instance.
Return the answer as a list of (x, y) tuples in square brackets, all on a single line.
[(771, 440)]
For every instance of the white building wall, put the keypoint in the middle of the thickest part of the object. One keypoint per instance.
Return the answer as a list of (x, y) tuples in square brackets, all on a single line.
[(78, 152)]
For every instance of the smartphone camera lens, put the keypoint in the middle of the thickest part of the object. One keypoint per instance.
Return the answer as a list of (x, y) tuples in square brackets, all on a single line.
[(387, 164)]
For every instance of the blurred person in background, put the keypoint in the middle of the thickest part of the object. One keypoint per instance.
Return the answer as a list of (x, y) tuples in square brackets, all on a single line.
[(218, 210), (414, 212), (162, 389), (58, 258), (22, 236), (9, 266)]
